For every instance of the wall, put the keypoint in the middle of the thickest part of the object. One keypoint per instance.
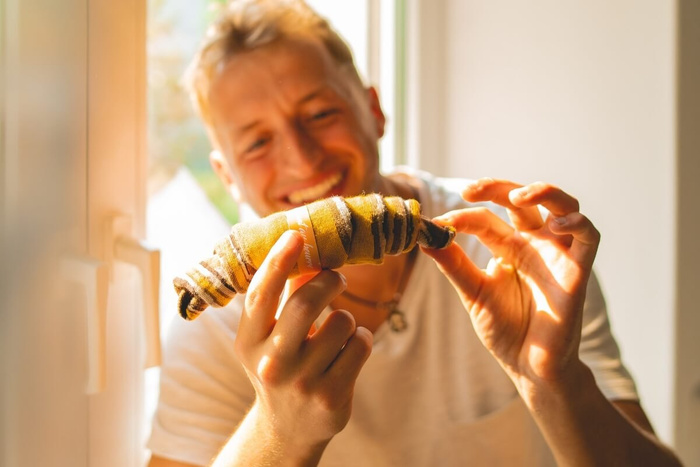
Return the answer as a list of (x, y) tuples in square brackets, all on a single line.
[(580, 94)]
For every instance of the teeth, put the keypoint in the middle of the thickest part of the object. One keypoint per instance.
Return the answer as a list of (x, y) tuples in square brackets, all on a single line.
[(313, 193)]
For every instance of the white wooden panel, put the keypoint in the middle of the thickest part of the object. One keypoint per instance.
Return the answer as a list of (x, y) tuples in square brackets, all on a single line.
[(116, 119)]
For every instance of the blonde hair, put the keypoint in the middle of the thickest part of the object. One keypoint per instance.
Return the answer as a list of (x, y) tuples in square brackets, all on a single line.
[(244, 25)]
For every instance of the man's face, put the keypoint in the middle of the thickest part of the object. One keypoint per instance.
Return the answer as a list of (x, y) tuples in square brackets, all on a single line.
[(292, 128)]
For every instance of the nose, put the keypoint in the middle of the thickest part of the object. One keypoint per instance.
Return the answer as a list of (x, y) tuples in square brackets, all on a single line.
[(299, 153)]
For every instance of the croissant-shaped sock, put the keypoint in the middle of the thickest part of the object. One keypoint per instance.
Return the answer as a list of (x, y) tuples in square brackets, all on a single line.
[(336, 231)]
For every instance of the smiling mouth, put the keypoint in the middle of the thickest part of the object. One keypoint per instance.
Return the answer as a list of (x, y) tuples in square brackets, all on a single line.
[(315, 192)]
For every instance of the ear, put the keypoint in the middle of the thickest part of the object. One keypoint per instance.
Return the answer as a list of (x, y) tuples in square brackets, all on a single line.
[(223, 171), (376, 110)]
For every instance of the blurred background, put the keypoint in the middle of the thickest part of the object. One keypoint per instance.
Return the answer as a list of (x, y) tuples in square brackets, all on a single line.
[(599, 97)]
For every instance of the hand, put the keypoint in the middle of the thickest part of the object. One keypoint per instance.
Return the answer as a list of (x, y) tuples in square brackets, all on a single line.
[(303, 379), (527, 306)]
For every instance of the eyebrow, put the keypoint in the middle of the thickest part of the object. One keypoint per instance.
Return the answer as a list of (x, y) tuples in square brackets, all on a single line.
[(247, 127)]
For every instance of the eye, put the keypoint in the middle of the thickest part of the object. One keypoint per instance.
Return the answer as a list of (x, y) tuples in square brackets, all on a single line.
[(257, 144), (323, 115)]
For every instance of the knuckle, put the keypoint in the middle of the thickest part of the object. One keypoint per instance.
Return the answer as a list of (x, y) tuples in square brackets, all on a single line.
[(482, 184), (270, 371), (297, 310), (276, 264), (482, 215), (305, 388), (544, 187), (257, 296), (343, 320), (544, 190), (316, 293)]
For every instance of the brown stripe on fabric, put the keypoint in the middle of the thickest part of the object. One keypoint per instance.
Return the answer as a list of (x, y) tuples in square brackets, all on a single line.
[(343, 220), (387, 223), (202, 285), (409, 225), (184, 298), (381, 220), (246, 268), (377, 215), (231, 264), (223, 282), (212, 286), (399, 229), (415, 222), (227, 258), (184, 287)]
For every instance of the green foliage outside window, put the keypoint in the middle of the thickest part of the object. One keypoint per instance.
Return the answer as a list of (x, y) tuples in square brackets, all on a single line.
[(176, 136)]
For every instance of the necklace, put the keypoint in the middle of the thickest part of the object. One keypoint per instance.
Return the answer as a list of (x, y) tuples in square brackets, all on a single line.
[(396, 318)]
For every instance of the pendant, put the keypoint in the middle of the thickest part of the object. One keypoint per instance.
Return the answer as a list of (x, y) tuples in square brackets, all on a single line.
[(397, 320)]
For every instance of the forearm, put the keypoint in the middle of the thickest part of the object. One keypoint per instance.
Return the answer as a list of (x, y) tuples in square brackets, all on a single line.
[(583, 428), (255, 444)]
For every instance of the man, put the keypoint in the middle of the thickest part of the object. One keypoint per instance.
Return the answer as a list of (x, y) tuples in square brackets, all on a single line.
[(498, 366)]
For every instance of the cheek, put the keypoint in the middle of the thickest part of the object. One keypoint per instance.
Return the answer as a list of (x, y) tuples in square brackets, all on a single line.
[(349, 138)]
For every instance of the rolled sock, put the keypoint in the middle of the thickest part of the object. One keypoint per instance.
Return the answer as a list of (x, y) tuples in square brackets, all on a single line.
[(336, 231)]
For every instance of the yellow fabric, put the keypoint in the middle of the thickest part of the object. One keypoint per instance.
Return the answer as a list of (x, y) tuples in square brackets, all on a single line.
[(357, 230), (365, 218), (328, 223)]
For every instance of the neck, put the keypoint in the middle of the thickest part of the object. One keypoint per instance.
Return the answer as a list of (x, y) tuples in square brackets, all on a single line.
[(376, 283), (396, 187)]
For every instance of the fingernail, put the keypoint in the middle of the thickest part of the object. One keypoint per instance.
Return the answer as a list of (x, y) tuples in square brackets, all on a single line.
[(286, 236), (560, 220), (520, 192)]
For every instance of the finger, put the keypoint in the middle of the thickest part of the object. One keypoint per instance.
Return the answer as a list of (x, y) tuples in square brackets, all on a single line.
[(497, 191), (345, 369), (326, 343), (459, 269), (586, 237), (262, 297), (491, 230), (294, 284), (303, 308), (557, 201)]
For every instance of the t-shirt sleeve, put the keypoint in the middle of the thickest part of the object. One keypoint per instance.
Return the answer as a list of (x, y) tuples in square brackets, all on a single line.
[(600, 351), (204, 391)]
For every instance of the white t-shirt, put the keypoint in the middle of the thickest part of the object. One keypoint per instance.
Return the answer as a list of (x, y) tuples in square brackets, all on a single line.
[(428, 395)]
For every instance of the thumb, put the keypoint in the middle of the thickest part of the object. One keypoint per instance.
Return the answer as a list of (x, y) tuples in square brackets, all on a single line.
[(464, 275)]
